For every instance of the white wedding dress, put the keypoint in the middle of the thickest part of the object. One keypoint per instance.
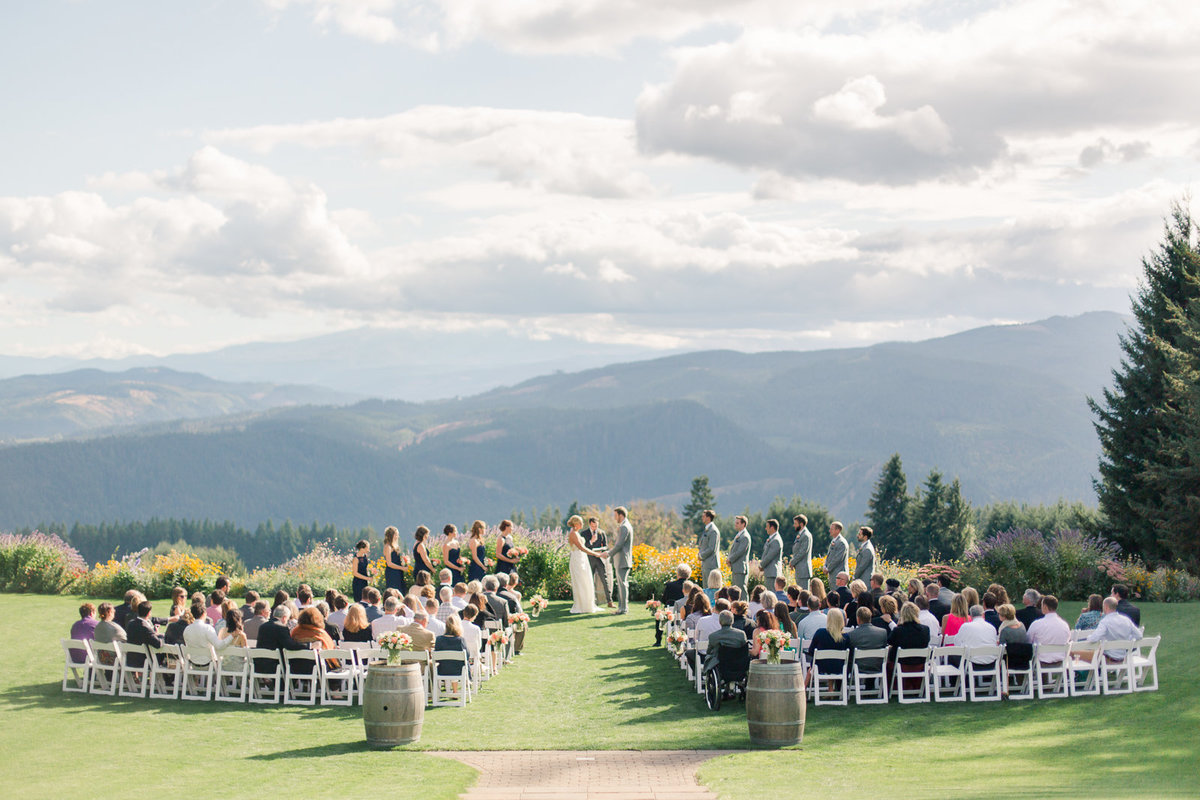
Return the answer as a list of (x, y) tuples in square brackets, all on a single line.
[(583, 586)]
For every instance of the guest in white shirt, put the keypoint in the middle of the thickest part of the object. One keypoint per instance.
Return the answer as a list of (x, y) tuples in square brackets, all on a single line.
[(471, 632), (1050, 628), (928, 619), (814, 621), (389, 621), (1113, 627), (338, 617), (708, 625), (433, 624), (459, 600), (201, 633), (445, 609), (976, 632)]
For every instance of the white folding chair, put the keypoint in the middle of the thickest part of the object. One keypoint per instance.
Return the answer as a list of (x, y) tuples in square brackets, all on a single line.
[(300, 677), (1018, 672), (830, 688), (77, 671), (453, 689), (696, 667), (1116, 676), (1084, 677), (1078, 635), (985, 681), (337, 683), (265, 677), (199, 669), (166, 671), (1145, 667), (912, 673), (232, 679), (364, 657), (948, 673), (870, 685), (135, 673), (791, 652), (1051, 672), (106, 668)]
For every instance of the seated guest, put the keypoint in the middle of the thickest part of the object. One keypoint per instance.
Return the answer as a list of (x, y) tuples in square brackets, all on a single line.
[(877, 585), (816, 591), (481, 604), (976, 632), (310, 630), (471, 632), (226, 605), (785, 620), (945, 593), (756, 600), (497, 605), (842, 589), (422, 639), (700, 608), (866, 636), (834, 600), (857, 590), (712, 585), (107, 631), (452, 640), (780, 588), (282, 598), (971, 595), (261, 614), (356, 628), (446, 609), (915, 590), (512, 593), (1114, 627), (708, 625), (1000, 593), (1121, 593), (887, 617), (222, 584), (1032, 610), (202, 634), (829, 638), (445, 577), (910, 634), (726, 635), (370, 603), (140, 630), (688, 588), (334, 631), (764, 621), (388, 620), (1050, 628), (937, 606), (304, 597), (793, 597), (233, 629), (341, 606), (179, 603), (814, 621), (733, 593), (85, 627), (248, 609), (802, 606), (990, 615), (741, 618), (673, 590), (274, 634), (1011, 629), (124, 612), (892, 586), (435, 625), (214, 611), (458, 598), (926, 617), (957, 617), (1091, 615), (330, 597)]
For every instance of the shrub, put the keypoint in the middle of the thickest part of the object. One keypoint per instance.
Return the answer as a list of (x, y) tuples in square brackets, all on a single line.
[(321, 568), (1066, 563), (152, 577), (39, 563)]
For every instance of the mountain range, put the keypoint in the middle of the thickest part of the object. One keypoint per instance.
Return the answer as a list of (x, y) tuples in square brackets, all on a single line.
[(1003, 408)]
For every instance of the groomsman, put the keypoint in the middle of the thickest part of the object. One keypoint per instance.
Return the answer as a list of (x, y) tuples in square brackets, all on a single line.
[(621, 554), (864, 562), (839, 549), (771, 562), (739, 553), (802, 551), (710, 546)]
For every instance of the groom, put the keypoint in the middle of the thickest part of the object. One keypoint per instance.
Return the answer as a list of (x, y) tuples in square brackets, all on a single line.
[(621, 553)]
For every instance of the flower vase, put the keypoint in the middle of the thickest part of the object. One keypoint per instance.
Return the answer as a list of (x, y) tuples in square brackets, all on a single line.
[(773, 655), (393, 658)]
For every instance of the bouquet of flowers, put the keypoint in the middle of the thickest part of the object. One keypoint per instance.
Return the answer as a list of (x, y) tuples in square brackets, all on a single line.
[(498, 638), (538, 604), (653, 605), (519, 621), (774, 641), (677, 641), (490, 563), (394, 642), (664, 615)]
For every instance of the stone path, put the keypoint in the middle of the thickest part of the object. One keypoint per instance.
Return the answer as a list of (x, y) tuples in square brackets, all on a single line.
[(587, 775)]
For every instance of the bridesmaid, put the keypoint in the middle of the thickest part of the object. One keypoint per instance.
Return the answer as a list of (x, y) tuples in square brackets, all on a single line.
[(506, 558), (421, 562), (393, 572), (362, 569), (452, 554), (477, 552)]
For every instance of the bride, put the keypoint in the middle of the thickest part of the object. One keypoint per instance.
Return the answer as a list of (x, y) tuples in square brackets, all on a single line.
[(583, 587)]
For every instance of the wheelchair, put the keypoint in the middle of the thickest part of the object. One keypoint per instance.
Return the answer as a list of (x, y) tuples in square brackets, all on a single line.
[(727, 677)]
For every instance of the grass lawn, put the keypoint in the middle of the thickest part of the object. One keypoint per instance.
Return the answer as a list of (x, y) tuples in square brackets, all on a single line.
[(588, 683)]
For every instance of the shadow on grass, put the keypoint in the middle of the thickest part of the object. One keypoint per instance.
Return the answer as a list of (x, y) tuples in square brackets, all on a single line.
[(319, 751)]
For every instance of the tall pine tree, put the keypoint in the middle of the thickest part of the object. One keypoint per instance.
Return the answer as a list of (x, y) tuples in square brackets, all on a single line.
[(887, 506), (1141, 415), (702, 498)]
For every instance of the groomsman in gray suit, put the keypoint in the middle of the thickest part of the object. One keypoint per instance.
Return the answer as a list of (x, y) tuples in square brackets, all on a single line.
[(772, 557), (621, 553), (710, 546), (839, 550), (739, 553), (864, 562), (802, 551)]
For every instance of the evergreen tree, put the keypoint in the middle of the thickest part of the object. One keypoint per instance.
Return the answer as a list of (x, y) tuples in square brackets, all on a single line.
[(887, 506), (954, 532), (1138, 418), (702, 498)]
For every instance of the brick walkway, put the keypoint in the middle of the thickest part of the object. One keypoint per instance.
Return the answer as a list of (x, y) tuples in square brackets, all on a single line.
[(587, 775)]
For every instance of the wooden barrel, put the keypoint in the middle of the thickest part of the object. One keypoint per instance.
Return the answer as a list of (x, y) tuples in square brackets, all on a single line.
[(393, 704), (775, 703)]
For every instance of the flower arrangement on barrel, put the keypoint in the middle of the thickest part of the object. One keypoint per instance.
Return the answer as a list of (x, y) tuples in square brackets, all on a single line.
[(774, 643), (395, 643)]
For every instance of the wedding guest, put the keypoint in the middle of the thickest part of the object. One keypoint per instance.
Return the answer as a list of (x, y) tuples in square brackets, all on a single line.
[(857, 590), (713, 584), (459, 598), (201, 633), (247, 609), (435, 625), (85, 627), (140, 631), (1031, 613), (876, 585), (282, 598), (340, 606), (976, 632), (1011, 629), (764, 621), (451, 641), (310, 631), (481, 604), (274, 634), (915, 590), (179, 603), (334, 631), (471, 632), (673, 589), (422, 639), (700, 609), (756, 600), (107, 631), (446, 608), (945, 592), (866, 636), (1114, 627), (887, 617), (990, 615), (910, 634), (234, 628), (785, 619), (1091, 615), (926, 618), (497, 605), (957, 617), (123, 612), (1000, 593), (1050, 628), (829, 638), (356, 628), (780, 588), (841, 587), (741, 620), (727, 635), (214, 611), (937, 607), (708, 624), (222, 584), (687, 589), (1121, 592), (226, 605), (387, 621), (513, 593), (261, 614), (370, 603), (803, 601), (814, 621), (816, 590), (304, 597)]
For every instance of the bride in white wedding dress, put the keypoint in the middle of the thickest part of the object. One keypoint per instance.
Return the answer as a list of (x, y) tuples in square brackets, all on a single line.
[(583, 587)]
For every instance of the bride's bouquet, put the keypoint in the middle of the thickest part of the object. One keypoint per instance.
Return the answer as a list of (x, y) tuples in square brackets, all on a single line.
[(538, 604), (394, 642), (677, 641), (653, 605), (775, 642), (519, 621)]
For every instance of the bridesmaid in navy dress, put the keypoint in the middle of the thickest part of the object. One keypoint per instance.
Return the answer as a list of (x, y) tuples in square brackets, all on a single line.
[(362, 574), (452, 554), (506, 558), (421, 562), (477, 552), (393, 571)]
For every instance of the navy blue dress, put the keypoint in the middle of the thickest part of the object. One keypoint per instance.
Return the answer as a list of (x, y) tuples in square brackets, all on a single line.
[(394, 578), (359, 584), (474, 571), (503, 567), (420, 564), (455, 574)]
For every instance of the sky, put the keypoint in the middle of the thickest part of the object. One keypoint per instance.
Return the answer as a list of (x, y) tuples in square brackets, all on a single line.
[(750, 174)]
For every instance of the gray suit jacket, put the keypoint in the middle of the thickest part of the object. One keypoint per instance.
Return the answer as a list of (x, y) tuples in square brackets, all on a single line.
[(864, 563), (622, 547), (772, 558), (802, 555), (739, 553), (710, 547), (730, 637), (835, 559)]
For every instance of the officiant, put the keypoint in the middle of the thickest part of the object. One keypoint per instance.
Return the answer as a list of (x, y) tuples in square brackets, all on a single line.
[(595, 539)]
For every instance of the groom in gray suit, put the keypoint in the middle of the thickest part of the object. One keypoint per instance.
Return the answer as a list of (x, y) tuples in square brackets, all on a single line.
[(771, 562), (621, 553), (709, 546), (739, 553)]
